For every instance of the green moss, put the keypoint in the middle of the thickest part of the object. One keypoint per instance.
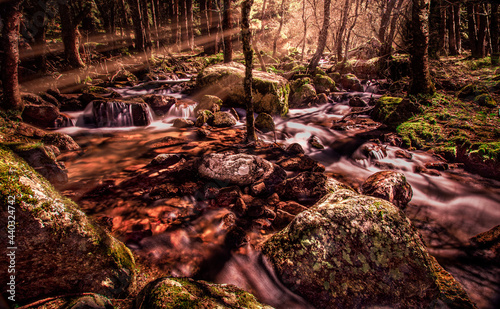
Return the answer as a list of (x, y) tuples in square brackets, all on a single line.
[(489, 150), (10, 185), (485, 100), (420, 133)]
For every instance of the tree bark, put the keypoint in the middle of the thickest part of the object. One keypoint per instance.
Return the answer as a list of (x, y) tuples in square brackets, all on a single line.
[(140, 35), (421, 82), (343, 26), (227, 28), (436, 39), (190, 29), (450, 25), (70, 35), (278, 34), (495, 50), (458, 32), (11, 16), (472, 26), (246, 37), (481, 31), (323, 34), (304, 21)]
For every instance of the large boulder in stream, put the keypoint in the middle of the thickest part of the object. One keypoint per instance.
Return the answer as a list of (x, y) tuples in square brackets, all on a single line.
[(113, 113), (160, 104), (43, 115), (243, 170), (355, 251), (166, 293), (270, 91), (390, 186), (60, 250)]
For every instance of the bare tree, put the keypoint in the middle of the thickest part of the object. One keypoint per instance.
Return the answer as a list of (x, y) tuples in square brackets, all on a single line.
[(11, 16), (72, 13), (421, 82), (227, 28), (278, 33), (495, 52), (323, 35), (246, 37)]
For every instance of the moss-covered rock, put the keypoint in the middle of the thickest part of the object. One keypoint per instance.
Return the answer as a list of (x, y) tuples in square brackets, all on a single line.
[(42, 116), (485, 100), (60, 249), (303, 95), (393, 111), (210, 103), (223, 120), (354, 251), (270, 91), (323, 84), (87, 301), (62, 141), (264, 122), (179, 293), (351, 83)]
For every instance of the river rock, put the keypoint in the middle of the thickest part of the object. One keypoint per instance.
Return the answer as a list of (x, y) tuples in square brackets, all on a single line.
[(160, 104), (210, 103), (354, 251), (390, 186), (165, 159), (167, 293), (112, 113), (351, 83), (300, 163), (302, 96), (243, 170), (309, 187), (62, 141), (295, 148), (357, 102), (264, 122), (63, 252), (393, 111), (223, 119), (182, 123), (43, 160), (270, 91), (370, 150), (315, 142), (43, 116), (323, 84)]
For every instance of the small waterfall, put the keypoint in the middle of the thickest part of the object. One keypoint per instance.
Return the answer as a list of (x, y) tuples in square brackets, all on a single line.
[(181, 110), (115, 114)]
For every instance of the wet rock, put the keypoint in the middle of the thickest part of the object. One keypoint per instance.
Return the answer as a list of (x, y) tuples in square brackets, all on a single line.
[(50, 99), (92, 301), (63, 121), (357, 102), (351, 83), (74, 104), (393, 111), (301, 163), (223, 119), (43, 160), (175, 292), (63, 251), (323, 84), (182, 123), (352, 251), (322, 99), (264, 122), (124, 76), (241, 169), (390, 186), (423, 170), (302, 96), (165, 159), (33, 99), (209, 102), (370, 150), (439, 166), (227, 197), (160, 104), (233, 112), (487, 244), (295, 148), (485, 100), (202, 133), (270, 91), (62, 141), (315, 142), (403, 154), (309, 187), (103, 113), (43, 116)]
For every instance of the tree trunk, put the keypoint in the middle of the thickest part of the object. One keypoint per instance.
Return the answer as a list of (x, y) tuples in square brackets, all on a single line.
[(481, 31), (145, 25), (140, 35), (472, 29), (176, 38), (227, 28), (304, 21), (343, 26), (278, 34), (189, 17), (458, 32), (11, 18), (323, 34), (421, 82), (246, 37), (450, 24), (495, 50), (436, 40), (70, 36)]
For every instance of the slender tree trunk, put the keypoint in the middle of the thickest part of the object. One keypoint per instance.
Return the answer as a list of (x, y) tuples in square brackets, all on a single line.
[(343, 26), (262, 16), (40, 48), (11, 17), (189, 17), (392, 32), (421, 82), (458, 32), (246, 37), (155, 17), (176, 38), (481, 31), (184, 25), (323, 35), (436, 40), (304, 21), (278, 34), (145, 25), (70, 36), (227, 28), (472, 29), (450, 24), (140, 35), (495, 50)]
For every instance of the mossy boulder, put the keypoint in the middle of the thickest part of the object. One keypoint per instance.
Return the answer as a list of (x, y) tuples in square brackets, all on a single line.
[(354, 251), (210, 103), (323, 84), (61, 250), (351, 83), (42, 116), (177, 293), (223, 120), (87, 301), (264, 122), (393, 111), (270, 91), (303, 95), (62, 141), (485, 100)]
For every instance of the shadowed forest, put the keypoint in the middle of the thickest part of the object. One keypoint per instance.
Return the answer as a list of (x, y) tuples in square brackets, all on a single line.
[(249, 154)]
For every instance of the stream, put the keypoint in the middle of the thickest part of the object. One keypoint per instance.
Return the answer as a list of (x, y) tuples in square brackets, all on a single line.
[(447, 209)]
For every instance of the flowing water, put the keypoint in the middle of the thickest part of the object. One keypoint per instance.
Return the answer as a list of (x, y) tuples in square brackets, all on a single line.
[(448, 209)]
